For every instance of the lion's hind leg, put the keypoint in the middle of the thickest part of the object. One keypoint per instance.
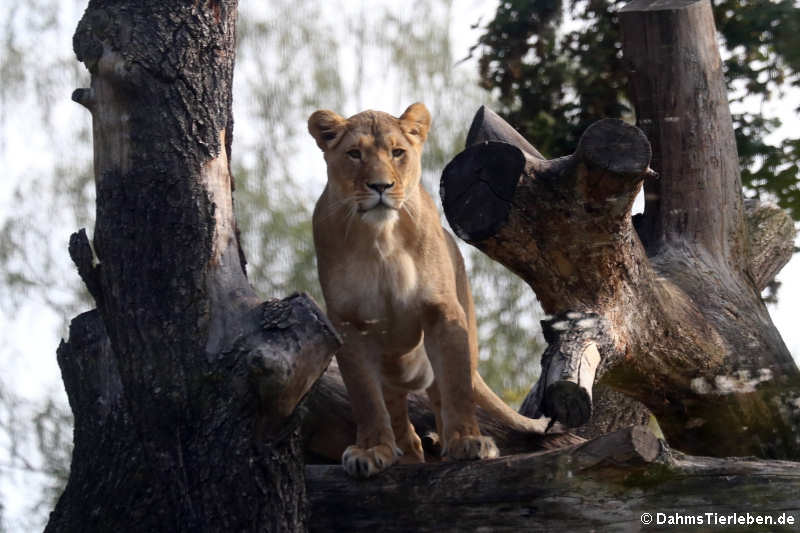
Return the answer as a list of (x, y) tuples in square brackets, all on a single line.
[(448, 345)]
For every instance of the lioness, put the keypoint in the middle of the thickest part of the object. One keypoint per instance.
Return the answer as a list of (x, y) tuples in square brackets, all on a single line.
[(396, 289)]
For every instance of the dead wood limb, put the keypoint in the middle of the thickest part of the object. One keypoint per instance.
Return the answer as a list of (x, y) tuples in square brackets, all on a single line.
[(569, 365), (771, 235), (683, 328)]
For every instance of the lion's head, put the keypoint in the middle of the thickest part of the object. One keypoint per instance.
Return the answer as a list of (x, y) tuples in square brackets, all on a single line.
[(373, 159)]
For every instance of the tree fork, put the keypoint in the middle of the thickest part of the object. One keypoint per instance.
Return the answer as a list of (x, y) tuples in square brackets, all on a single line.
[(499, 193), (688, 335)]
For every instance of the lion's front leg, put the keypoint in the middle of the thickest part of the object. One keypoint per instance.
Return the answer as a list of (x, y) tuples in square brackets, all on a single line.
[(447, 344), (404, 433), (375, 448)]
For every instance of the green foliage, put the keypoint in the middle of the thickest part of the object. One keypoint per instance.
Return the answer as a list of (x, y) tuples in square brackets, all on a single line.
[(552, 83), (509, 335), (37, 439), (285, 66), (47, 193)]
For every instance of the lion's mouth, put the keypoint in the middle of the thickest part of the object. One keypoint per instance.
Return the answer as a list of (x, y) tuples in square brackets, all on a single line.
[(381, 205)]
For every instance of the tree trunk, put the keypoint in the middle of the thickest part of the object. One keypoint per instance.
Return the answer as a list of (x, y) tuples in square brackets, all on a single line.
[(673, 306), (603, 485), (183, 384)]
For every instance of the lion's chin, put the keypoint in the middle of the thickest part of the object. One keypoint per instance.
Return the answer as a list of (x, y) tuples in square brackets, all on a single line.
[(380, 216)]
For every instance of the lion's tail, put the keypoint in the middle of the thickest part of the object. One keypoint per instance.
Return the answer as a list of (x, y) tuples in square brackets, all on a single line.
[(499, 410)]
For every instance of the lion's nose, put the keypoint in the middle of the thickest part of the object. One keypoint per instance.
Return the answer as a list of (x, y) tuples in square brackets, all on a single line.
[(380, 187)]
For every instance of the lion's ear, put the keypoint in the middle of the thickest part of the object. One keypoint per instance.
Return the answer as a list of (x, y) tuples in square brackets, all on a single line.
[(416, 121), (326, 127)]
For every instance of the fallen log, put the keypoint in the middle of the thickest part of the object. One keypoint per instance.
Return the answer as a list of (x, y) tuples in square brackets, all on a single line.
[(606, 484)]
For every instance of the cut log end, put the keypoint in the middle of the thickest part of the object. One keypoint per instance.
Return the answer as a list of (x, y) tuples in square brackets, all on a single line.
[(568, 403), (489, 126), (477, 187), (617, 147), (297, 350), (569, 365)]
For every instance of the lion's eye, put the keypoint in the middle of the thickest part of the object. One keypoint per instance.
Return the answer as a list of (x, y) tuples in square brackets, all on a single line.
[(398, 152), (355, 154)]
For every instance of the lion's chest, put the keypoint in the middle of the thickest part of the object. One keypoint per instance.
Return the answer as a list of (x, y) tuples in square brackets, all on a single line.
[(378, 296)]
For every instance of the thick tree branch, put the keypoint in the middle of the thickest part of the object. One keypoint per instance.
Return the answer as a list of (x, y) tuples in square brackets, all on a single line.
[(290, 354), (563, 490), (493, 189), (771, 234), (563, 226)]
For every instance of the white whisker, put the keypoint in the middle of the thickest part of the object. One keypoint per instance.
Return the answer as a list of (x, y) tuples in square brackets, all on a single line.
[(351, 212), (412, 213), (333, 209)]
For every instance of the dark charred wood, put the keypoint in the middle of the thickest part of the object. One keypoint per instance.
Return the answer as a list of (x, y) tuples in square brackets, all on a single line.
[(82, 255), (131, 485), (183, 384), (569, 365)]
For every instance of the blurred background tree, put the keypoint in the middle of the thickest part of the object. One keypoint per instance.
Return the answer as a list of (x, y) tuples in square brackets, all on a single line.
[(554, 79)]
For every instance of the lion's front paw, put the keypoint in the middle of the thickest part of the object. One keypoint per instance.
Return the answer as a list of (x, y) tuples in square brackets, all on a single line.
[(363, 463), (472, 447)]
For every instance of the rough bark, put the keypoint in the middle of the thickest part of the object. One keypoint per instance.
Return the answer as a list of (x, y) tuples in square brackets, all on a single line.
[(680, 325), (771, 234), (603, 485), (183, 383)]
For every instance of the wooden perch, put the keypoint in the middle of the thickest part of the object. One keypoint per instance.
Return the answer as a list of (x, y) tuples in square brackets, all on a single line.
[(681, 326), (604, 484), (497, 195)]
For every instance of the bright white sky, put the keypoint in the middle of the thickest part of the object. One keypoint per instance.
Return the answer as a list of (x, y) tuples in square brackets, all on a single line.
[(30, 338)]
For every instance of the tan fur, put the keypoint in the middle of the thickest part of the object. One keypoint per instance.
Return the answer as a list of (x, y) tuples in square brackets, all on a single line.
[(396, 289)]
